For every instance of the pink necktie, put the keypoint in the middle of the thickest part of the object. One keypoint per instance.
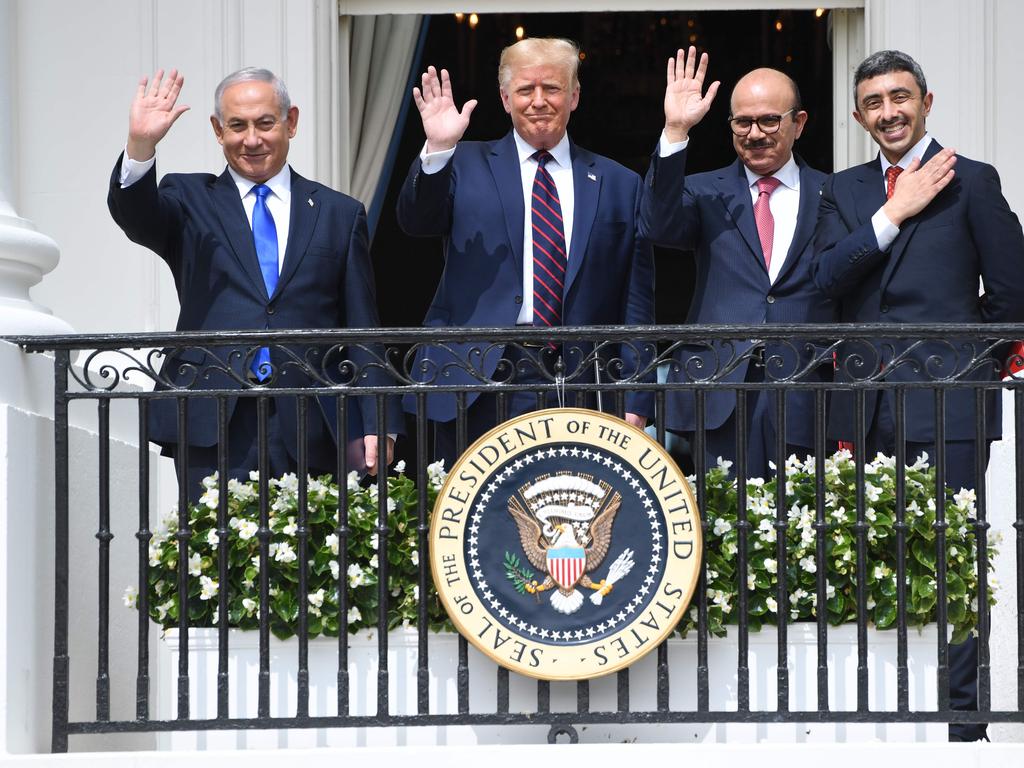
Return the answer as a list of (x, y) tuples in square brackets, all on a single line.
[(763, 216)]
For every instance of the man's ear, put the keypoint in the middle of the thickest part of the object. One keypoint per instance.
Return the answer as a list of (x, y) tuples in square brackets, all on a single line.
[(218, 129)]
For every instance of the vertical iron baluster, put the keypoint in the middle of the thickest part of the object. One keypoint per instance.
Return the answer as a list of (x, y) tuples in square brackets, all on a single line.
[(781, 555), (263, 534), (144, 536), (383, 588), (583, 696), (61, 558), (1018, 524), (501, 415), (423, 548), (981, 527), (183, 536), (699, 450), (103, 535), (663, 673), (543, 696), (223, 555), (342, 532), (742, 525), (860, 531), (821, 532), (941, 606), (462, 672), (902, 673), (302, 533)]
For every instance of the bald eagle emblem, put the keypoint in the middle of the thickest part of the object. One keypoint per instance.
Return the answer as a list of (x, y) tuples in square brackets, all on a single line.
[(565, 527)]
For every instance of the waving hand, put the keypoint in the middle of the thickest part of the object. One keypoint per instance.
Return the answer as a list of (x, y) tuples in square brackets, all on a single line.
[(154, 110), (684, 104), (442, 122)]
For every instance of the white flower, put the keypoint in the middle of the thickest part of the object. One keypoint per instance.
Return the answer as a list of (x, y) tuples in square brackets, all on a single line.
[(316, 599), (254, 475), (356, 577), (773, 606), (208, 588), (285, 553), (870, 603), (195, 564), (250, 605), (751, 582), (965, 499), (771, 565), (291, 528), (354, 615), (400, 467), (164, 608), (374, 541), (808, 564), (335, 568), (242, 492), (212, 538), (722, 526), (436, 473), (879, 572), (255, 562), (211, 498), (211, 481), (724, 464), (414, 557), (373, 563), (331, 540), (352, 482), (130, 597), (247, 529)]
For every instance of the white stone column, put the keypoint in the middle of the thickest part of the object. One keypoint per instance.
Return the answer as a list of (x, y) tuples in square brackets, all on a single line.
[(25, 253)]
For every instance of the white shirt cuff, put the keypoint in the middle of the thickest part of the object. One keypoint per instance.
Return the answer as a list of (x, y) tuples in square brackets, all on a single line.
[(667, 148), (885, 230), (432, 162), (133, 170)]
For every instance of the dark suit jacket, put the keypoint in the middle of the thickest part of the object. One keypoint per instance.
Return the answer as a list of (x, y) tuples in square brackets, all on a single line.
[(712, 215), (929, 275), (476, 204), (196, 224)]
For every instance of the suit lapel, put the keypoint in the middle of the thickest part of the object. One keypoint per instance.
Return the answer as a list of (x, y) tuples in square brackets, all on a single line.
[(899, 245), (734, 192), (228, 206), (586, 185), (504, 162), (305, 210), (806, 218)]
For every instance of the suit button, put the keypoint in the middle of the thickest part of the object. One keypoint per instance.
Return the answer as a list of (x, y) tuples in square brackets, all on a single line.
[(770, 299), (519, 299), (270, 310), (885, 307)]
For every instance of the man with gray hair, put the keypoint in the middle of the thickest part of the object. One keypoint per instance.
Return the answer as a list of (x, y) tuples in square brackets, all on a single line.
[(256, 248), (908, 237), (537, 232)]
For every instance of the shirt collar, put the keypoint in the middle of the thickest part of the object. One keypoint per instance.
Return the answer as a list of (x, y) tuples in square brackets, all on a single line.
[(917, 151), (560, 152), (280, 184), (788, 174)]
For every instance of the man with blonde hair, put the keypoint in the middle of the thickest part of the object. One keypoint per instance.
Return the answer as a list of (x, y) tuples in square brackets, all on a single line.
[(537, 232)]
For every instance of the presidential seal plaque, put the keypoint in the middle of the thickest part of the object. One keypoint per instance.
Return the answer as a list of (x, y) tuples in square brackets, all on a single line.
[(565, 544)]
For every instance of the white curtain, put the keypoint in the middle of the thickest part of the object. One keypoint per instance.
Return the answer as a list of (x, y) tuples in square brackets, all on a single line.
[(375, 54)]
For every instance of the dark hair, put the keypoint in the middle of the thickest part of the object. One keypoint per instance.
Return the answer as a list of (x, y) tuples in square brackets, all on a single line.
[(884, 62)]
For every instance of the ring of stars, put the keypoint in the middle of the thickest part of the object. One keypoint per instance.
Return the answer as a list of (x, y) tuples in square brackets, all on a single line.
[(585, 633)]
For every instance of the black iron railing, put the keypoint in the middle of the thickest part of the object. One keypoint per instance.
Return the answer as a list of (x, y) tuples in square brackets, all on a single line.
[(581, 363)]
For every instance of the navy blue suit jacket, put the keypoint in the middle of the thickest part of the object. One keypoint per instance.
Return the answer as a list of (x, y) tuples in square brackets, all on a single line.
[(196, 224), (929, 275), (712, 215), (476, 205)]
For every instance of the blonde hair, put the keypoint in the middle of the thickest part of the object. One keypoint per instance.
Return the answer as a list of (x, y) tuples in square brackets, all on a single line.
[(534, 51)]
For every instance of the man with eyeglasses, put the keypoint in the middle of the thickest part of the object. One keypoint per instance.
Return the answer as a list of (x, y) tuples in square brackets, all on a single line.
[(905, 238), (750, 226), (257, 248)]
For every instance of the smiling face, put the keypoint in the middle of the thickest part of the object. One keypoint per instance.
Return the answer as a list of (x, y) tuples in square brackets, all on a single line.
[(758, 94), (892, 109), (540, 99), (254, 134)]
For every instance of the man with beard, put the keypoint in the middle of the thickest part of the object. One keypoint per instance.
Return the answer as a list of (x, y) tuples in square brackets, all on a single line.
[(905, 238), (750, 226)]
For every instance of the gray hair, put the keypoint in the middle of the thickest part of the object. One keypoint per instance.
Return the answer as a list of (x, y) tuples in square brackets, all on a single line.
[(884, 62), (248, 75)]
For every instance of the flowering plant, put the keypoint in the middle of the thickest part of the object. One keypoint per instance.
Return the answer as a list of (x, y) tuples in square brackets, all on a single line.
[(323, 573), (801, 567)]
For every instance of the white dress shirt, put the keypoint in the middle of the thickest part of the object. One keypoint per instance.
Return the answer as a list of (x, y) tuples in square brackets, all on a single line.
[(885, 231), (279, 202), (560, 168)]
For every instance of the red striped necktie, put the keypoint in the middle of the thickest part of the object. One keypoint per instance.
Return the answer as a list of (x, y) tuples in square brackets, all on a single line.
[(549, 255)]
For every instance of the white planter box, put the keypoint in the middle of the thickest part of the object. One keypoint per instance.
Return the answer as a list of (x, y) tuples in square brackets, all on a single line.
[(443, 649)]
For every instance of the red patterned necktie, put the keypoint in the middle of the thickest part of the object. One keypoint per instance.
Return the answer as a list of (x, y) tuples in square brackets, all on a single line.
[(549, 256), (890, 179), (763, 216)]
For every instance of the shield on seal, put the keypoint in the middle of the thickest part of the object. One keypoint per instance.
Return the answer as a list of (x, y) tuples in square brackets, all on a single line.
[(566, 564)]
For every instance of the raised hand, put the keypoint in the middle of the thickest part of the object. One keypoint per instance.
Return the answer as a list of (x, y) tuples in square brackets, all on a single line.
[(684, 104), (918, 185), (154, 110), (442, 122)]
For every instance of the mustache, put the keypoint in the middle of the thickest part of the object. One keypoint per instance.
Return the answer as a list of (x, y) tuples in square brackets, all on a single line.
[(883, 124), (758, 144)]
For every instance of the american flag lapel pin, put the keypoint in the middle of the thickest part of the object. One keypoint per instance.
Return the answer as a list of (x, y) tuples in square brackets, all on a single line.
[(591, 176), (310, 201)]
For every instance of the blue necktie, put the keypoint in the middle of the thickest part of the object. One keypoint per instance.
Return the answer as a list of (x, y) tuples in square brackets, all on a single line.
[(549, 258), (264, 234)]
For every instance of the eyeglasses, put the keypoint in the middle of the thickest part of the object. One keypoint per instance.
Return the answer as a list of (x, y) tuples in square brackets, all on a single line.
[(766, 123)]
